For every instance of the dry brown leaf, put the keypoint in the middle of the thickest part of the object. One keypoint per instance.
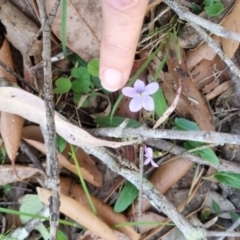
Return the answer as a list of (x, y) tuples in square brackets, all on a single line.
[(69, 188), (84, 26), (65, 163), (190, 94), (17, 101), (21, 31), (166, 85), (209, 87), (7, 174), (80, 214), (33, 132), (219, 90), (203, 52), (10, 124), (206, 71), (232, 24), (85, 161)]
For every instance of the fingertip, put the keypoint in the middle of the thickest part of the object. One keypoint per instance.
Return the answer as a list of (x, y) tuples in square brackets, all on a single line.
[(112, 79)]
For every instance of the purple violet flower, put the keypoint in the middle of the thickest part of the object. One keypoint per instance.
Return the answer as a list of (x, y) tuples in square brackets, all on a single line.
[(149, 156), (140, 95)]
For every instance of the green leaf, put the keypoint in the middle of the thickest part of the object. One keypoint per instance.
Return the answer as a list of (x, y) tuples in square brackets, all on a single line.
[(93, 67), (63, 85), (75, 59), (159, 102), (216, 207), (7, 188), (185, 124), (234, 216), (61, 143), (208, 155), (77, 97), (107, 121), (82, 83), (85, 103), (214, 9), (205, 214), (80, 72), (229, 178), (61, 235), (30, 204), (127, 196)]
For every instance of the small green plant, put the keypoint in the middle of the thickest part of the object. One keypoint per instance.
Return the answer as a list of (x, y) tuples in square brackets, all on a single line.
[(213, 7), (128, 194), (83, 81), (206, 153)]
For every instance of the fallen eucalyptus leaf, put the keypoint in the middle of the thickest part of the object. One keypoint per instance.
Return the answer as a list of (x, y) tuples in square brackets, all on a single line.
[(28, 106)]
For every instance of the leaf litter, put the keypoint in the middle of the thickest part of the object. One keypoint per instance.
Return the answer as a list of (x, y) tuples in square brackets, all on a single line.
[(203, 77)]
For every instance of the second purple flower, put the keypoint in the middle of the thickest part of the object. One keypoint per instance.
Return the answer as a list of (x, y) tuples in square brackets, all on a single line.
[(140, 95)]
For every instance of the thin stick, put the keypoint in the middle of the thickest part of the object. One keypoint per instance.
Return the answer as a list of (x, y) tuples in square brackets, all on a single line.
[(144, 133), (184, 14), (50, 130), (21, 79), (140, 192)]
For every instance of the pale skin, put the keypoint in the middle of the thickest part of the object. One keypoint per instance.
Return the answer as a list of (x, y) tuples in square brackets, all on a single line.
[(122, 22)]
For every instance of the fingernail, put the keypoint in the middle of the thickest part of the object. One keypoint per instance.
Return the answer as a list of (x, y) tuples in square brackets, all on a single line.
[(112, 79)]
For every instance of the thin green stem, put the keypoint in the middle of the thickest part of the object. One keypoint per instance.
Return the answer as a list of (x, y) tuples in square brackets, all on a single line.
[(73, 155), (14, 212)]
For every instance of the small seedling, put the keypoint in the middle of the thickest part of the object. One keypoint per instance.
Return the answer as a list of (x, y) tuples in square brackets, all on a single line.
[(213, 7), (83, 81)]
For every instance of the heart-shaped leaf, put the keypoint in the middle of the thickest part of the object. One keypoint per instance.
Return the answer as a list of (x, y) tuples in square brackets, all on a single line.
[(63, 85)]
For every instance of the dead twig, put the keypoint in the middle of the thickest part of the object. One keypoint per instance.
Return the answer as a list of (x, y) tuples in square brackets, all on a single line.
[(223, 165), (53, 181), (144, 133)]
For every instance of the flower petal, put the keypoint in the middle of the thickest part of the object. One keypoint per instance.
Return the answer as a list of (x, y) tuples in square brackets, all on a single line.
[(151, 88), (147, 103), (148, 152), (135, 104), (147, 161), (139, 86), (153, 163), (129, 92)]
